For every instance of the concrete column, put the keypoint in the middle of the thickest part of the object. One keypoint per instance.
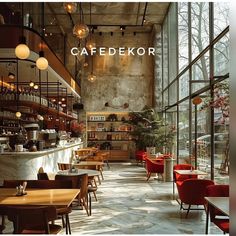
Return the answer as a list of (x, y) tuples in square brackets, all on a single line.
[(168, 169)]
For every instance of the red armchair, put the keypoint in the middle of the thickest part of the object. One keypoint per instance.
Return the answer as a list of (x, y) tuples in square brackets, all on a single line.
[(140, 156), (192, 192), (218, 191), (180, 178), (154, 166)]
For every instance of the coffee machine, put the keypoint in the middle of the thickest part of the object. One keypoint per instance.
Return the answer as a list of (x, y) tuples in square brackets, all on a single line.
[(32, 131)]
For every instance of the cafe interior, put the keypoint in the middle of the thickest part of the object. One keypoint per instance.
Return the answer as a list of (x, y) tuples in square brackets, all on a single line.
[(114, 118)]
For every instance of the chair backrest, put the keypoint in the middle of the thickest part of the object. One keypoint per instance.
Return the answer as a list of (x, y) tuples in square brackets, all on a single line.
[(42, 176), (28, 217), (44, 184), (154, 166), (220, 190), (178, 177), (193, 191), (63, 166), (78, 181)]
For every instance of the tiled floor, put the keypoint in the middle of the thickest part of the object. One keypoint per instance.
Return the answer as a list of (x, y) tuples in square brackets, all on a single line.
[(128, 204)]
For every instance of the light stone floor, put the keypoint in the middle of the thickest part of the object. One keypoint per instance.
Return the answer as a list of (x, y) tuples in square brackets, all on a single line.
[(128, 204)]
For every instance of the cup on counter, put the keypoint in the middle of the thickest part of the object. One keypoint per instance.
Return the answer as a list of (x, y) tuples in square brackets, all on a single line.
[(19, 148)]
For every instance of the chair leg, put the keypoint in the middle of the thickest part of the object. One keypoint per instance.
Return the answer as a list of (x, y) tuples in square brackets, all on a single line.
[(101, 174), (90, 204), (188, 211), (95, 196), (148, 175), (85, 204), (181, 206), (68, 229), (63, 221), (99, 181)]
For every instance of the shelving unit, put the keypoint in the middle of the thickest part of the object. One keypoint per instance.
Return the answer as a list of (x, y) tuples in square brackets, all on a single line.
[(110, 133)]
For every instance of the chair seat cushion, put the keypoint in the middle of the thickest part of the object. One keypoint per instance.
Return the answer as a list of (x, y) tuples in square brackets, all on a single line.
[(222, 224)]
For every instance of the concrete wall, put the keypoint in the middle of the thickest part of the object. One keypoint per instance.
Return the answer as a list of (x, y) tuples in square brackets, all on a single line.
[(120, 79)]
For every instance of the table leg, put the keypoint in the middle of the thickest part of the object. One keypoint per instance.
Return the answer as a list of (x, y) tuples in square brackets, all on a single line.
[(207, 219)]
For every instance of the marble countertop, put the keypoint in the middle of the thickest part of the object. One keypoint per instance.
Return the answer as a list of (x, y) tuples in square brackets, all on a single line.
[(41, 153)]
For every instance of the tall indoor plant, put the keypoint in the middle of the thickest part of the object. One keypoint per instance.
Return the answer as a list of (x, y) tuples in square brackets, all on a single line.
[(150, 130)]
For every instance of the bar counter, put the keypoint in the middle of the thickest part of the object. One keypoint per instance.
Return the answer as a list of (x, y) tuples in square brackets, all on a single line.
[(25, 165)]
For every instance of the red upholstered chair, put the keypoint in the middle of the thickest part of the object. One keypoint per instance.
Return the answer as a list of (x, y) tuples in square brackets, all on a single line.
[(140, 156), (154, 166), (216, 215), (192, 192), (180, 178)]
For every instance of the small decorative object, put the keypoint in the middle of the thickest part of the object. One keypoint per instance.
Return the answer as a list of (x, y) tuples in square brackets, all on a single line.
[(197, 100), (123, 119), (112, 117)]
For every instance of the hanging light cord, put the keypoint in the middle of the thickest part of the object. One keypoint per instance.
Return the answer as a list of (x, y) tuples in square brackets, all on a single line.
[(90, 5), (22, 23)]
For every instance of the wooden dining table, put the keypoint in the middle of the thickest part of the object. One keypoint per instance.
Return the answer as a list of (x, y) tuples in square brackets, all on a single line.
[(38, 197), (220, 203), (190, 172)]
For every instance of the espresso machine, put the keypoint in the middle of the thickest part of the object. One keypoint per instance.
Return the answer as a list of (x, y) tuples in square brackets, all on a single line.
[(32, 131)]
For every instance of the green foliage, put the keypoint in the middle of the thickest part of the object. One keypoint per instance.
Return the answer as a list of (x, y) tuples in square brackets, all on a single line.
[(149, 130)]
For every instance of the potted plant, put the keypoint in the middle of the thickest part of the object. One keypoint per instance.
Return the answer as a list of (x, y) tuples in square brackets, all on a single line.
[(150, 132)]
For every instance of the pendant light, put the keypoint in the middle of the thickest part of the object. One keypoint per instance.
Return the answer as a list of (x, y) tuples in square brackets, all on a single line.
[(42, 62), (92, 77), (70, 7), (81, 30), (22, 50), (90, 43)]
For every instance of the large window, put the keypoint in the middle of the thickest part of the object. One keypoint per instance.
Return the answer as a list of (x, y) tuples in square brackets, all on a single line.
[(203, 30)]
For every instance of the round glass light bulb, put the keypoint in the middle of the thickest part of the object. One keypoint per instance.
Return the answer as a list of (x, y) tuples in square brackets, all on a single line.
[(92, 78), (31, 84), (81, 31), (22, 51), (36, 86), (42, 63), (70, 7), (90, 44), (39, 117), (18, 114)]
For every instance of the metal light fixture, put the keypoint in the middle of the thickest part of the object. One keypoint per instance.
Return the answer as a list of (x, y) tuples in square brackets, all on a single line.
[(18, 114), (90, 43), (81, 30), (92, 77), (42, 62), (11, 75), (70, 7), (22, 50), (31, 84)]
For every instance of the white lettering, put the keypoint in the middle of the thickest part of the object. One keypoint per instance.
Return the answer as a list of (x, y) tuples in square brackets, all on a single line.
[(121, 51), (140, 53), (74, 51), (93, 51), (102, 51), (151, 51), (130, 51), (84, 52), (112, 51)]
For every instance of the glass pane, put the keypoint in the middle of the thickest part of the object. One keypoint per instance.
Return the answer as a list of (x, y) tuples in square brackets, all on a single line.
[(165, 98), (184, 85), (221, 17), (171, 119), (172, 42), (165, 54), (184, 132), (199, 27), (173, 93), (200, 71), (183, 34), (158, 71), (221, 56)]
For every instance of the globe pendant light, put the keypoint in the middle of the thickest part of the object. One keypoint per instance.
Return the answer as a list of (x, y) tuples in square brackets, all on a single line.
[(81, 30), (22, 50), (92, 77), (42, 62), (90, 43), (70, 7)]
